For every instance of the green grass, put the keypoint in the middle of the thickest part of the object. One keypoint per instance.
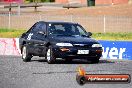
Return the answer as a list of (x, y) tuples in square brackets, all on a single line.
[(13, 33), (10, 33), (113, 36)]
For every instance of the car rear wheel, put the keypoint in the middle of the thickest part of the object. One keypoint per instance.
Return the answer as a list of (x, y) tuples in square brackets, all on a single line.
[(50, 56), (25, 54)]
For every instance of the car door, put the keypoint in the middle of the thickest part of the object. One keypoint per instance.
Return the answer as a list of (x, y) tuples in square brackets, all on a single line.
[(26, 37), (40, 39), (31, 37)]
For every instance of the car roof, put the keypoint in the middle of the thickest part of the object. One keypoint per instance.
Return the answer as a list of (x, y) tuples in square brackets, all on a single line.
[(51, 22)]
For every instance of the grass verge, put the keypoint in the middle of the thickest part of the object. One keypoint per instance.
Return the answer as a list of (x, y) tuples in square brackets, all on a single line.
[(113, 36), (12, 33)]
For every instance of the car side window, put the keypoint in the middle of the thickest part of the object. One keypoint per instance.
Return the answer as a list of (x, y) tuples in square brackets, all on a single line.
[(32, 28), (36, 28), (82, 32), (42, 27)]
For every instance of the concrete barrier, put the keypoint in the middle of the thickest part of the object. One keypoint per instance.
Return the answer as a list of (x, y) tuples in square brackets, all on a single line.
[(9, 46), (111, 49)]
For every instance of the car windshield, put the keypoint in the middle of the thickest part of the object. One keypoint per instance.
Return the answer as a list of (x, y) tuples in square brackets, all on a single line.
[(63, 29)]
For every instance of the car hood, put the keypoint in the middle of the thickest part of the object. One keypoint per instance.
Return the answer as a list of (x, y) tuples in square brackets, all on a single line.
[(74, 40)]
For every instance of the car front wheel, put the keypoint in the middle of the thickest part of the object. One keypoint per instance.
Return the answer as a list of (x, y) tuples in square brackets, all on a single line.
[(25, 54), (50, 56)]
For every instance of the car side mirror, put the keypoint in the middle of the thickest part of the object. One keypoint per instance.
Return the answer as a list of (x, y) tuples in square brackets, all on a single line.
[(41, 32), (89, 34)]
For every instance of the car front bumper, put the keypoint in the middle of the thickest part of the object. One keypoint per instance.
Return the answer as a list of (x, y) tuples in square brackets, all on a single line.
[(64, 52)]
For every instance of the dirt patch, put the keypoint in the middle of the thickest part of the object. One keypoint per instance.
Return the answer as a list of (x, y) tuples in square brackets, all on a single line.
[(115, 10)]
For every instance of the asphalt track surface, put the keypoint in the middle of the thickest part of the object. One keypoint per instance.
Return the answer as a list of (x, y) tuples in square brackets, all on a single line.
[(14, 73)]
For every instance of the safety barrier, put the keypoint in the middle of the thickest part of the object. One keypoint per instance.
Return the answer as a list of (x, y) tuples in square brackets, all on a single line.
[(111, 49), (117, 49), (9, 46)]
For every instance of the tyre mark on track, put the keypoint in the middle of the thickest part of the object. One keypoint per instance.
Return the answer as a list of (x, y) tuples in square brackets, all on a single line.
[(77, 71)]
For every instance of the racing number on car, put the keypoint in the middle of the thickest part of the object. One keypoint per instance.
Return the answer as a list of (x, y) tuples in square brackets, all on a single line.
[(29, 36)]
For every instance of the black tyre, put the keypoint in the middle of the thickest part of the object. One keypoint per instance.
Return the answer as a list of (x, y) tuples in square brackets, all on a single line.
[(50, 56), (25, 54)]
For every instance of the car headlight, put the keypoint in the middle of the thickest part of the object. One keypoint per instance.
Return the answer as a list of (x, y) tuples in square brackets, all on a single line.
[(64, 44), (96, 45)]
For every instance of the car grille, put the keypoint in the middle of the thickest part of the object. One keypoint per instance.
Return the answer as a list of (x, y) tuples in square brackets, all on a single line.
[(82, 45)]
